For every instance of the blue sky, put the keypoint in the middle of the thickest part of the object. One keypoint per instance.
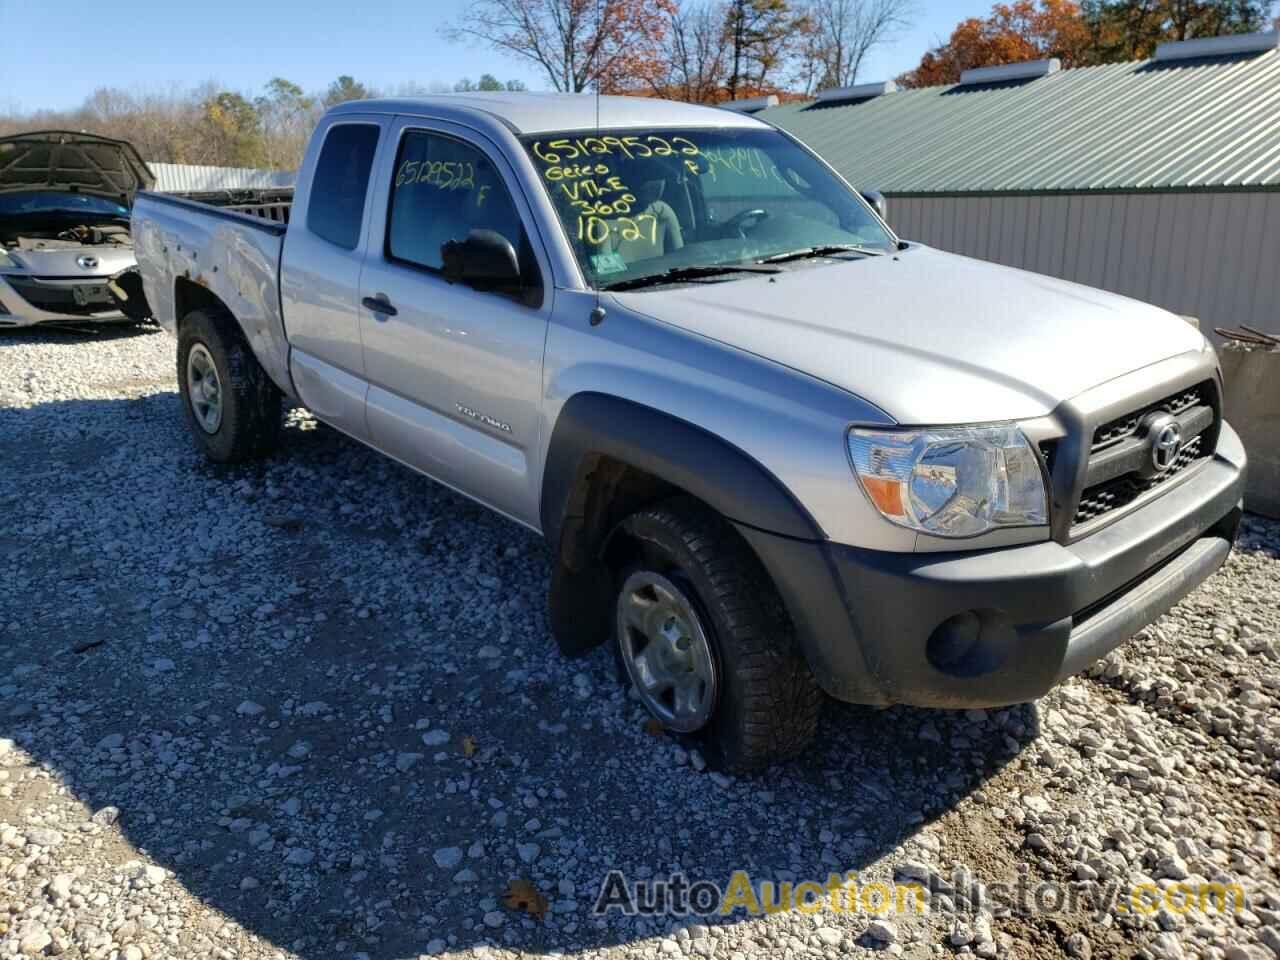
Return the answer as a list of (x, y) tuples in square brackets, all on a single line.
[(53, 54)]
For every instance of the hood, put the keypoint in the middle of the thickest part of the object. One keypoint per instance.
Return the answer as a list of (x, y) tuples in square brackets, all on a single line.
[(87, 262), (931, 337), (73, 163)]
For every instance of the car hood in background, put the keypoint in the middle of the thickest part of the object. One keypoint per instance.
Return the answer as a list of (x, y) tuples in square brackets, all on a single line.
[(74, 163), (931, 337)]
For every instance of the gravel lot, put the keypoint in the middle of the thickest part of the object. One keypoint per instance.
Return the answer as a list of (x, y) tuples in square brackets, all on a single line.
[(311, 708)]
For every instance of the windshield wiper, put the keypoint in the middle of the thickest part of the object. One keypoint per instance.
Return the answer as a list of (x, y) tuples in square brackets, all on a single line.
[(676, 274), (824, 250)]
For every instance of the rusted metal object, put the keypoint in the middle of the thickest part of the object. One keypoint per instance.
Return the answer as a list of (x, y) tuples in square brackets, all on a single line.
[(1249, 335)]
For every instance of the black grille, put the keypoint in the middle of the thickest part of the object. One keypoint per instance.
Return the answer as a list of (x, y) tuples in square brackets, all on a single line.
[(1114, 494), (1119, 470), (1116, 430)]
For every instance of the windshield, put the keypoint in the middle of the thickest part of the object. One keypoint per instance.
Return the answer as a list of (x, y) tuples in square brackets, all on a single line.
[(52, 201), (641, 203)]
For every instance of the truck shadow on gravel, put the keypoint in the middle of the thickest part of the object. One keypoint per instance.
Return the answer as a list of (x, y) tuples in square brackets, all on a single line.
[(322, 691), (65, 334)]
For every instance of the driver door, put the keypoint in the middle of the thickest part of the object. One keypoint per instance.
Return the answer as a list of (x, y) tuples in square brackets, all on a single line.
[(455, 374)]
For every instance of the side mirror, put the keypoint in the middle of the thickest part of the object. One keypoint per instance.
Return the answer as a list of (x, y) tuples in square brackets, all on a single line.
[(877, 200), (485, 260)]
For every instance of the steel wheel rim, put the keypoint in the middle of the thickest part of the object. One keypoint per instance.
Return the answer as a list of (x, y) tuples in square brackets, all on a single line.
[(204, 389), (666, 651)]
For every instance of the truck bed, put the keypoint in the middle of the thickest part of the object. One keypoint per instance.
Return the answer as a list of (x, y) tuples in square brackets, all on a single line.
[(262, 209), (227, 243), (273, 204)]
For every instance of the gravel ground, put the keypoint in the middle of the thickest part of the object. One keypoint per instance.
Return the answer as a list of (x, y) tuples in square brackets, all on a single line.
[(311, 708)]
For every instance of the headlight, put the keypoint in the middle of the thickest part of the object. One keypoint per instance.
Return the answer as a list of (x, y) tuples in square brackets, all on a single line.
[(6, 260), (951, 481)]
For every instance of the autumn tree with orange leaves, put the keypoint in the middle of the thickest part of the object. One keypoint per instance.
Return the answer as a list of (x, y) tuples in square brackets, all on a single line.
[(578, 44), (1011, 34), (1095, 31)]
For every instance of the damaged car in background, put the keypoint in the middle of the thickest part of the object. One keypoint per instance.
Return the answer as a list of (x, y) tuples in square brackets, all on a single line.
[(66, 254)]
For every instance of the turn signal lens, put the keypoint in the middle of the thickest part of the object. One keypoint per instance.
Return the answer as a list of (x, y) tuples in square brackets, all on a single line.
[(886, 494)]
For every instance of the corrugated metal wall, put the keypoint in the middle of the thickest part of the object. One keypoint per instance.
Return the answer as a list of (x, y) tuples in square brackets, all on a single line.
[(1215, 256), (192, 178)]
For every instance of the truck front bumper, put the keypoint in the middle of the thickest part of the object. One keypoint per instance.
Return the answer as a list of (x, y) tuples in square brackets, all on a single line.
[(996, 627)]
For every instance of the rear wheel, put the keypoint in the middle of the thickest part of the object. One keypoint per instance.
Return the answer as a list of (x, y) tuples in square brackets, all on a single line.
[(230, 404), (703, 636)]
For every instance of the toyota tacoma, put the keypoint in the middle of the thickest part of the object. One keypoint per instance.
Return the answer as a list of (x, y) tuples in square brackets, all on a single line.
[(775, 450)]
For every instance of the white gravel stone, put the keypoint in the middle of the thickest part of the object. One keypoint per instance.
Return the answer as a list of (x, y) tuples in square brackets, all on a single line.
[(447, 858), (829, 936), (44, 837), (1078, 946), (961, 933), (406, 761), (528, 852), (1166, 946), (35, 939), (883, 930)]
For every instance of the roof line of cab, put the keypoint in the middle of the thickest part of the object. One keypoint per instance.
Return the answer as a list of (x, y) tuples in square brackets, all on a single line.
[(534, 113)]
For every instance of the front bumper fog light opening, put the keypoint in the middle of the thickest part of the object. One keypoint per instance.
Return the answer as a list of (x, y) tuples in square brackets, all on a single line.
[(971, 643)]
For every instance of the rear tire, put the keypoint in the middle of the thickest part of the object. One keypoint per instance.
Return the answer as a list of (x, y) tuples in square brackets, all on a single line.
[(706, 582), (230, 404)]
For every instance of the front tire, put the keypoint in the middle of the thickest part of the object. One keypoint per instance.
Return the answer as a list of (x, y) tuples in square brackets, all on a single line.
[(703, 635), (230, 404)]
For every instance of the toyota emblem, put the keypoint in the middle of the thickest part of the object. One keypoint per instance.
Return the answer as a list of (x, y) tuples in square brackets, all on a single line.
[(1166, 444), (87, 262)]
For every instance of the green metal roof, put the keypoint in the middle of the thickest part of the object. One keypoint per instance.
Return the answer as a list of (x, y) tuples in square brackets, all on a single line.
[(1154, 125)]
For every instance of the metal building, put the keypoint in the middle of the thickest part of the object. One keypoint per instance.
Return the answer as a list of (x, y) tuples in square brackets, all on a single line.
[(1158, 179), (194, 178)]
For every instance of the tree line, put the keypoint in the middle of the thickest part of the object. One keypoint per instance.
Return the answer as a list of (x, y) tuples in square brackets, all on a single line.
[(1082, 34), (700, 51), (710, 51), (218, 127)]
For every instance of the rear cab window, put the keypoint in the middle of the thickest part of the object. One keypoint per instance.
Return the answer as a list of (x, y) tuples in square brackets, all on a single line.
[(340, 184)]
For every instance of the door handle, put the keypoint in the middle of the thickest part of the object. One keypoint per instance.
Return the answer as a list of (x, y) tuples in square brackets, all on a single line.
[(379, 305)]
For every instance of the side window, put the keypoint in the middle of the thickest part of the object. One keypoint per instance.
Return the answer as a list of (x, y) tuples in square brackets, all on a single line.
[(340, 183), (444, 189)]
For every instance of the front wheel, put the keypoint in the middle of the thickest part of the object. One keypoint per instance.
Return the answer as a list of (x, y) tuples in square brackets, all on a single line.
[(704, 638), (230, 404)]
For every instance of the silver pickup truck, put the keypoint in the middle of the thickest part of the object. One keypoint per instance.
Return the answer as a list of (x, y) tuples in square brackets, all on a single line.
[(775, 450)]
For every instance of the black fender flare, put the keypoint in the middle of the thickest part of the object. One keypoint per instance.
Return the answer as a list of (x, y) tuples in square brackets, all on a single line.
[(594, 429)]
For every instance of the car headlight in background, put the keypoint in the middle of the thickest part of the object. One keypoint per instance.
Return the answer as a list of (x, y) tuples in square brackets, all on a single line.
[(951, 481), (6, 260)]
